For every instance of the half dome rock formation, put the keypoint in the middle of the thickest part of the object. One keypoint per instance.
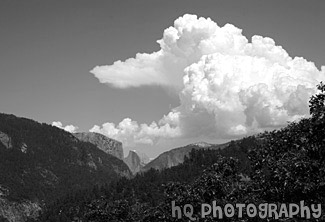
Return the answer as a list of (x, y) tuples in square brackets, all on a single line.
[(104, 143), (133, 161)]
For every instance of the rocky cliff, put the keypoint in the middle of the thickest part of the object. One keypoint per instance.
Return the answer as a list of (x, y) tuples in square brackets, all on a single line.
[(134, 162), (104, 143), (5, 140), (143, 158)]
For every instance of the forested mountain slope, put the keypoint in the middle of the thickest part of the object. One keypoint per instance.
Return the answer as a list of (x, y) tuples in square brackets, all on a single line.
[(39, 163)]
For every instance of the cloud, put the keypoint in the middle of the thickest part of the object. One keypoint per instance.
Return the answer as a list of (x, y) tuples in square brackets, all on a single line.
[(228, 86), (68, 128), (179, 48), (130, 132)]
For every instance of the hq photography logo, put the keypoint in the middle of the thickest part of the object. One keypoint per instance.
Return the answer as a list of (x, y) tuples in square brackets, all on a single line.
[(239, 210)]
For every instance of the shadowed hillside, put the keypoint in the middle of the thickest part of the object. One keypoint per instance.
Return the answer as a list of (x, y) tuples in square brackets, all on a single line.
[(39, 163)]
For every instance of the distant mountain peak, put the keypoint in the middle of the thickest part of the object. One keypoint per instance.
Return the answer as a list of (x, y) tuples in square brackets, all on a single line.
[(176, 156), (133, 161), (108, 145), (143, 157)]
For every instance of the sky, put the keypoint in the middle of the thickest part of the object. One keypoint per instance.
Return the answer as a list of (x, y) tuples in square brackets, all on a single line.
[(154, 74)]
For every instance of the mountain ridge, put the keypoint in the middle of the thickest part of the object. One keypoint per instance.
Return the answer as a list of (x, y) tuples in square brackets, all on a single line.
[(43, 162), (108, 145), (176, 156)]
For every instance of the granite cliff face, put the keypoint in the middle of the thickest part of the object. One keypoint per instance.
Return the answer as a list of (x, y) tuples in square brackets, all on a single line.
[(176, 156), (143, 158), (39, 163), (134, 162), (104, 143), (5, 140)]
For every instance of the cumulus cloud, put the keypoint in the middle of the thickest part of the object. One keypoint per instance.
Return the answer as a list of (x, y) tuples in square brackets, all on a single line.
[(228, 86), (130, 132), (68, 128)]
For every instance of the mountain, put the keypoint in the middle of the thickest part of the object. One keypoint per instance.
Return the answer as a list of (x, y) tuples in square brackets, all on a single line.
[(143, 157), (40, 163), (176, 156), (104, 143), (131, 200), (282, 166), (134, 162)]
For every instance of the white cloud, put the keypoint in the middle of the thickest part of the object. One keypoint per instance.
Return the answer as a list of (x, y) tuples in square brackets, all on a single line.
[(68, 128), (227, 86), (130, 132)]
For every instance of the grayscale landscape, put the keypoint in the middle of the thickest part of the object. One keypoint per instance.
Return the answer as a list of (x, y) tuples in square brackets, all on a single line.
[(162, 110)]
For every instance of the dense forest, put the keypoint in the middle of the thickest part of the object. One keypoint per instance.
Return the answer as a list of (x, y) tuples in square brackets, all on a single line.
[(143, 191), (40, 163), (281, 167)]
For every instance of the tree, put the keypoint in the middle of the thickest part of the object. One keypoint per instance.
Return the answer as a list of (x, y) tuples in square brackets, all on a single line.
[(317, 103)]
